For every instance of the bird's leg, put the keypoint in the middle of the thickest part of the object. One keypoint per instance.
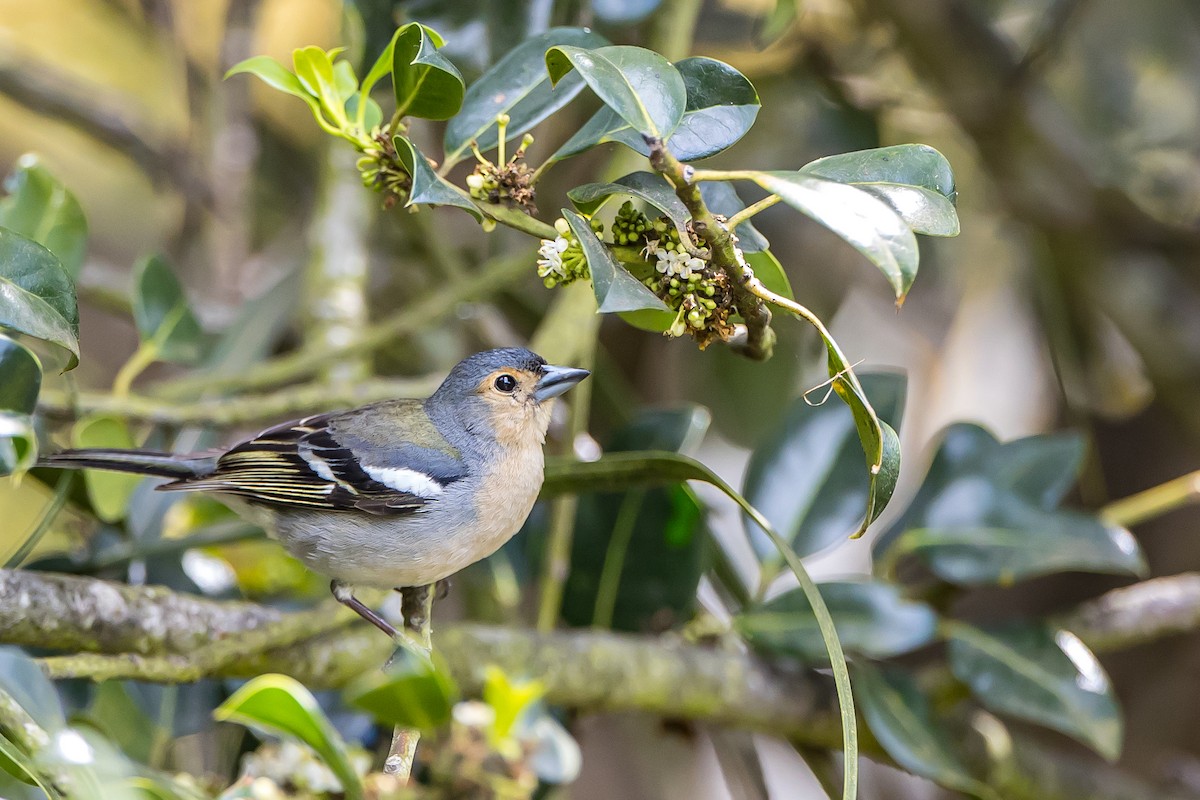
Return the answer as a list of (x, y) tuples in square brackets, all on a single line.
[(343, 595), (441, 589), (416, 606)]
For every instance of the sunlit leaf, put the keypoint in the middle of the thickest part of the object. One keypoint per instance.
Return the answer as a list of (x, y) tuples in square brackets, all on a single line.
[(807, 476), (987, 512), (914, 179), (163, 315), (427, 186), (426, 84), (108, 492), (641, 86), (412, 692), (281, 706), (1041, 675), (314, 69), (872, 618), (40, 208), (277, 76), (616, 289), (516, 85), (37, 296)]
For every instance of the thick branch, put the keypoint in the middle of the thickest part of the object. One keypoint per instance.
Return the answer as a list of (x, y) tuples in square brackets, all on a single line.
[(1139, 613)]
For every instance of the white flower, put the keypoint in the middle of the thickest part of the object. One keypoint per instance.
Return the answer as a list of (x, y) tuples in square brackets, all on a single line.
[(551, 262), (675, 264)]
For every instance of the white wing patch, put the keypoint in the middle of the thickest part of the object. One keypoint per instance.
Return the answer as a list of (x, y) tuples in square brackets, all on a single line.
[(405, 480), (317, 465)]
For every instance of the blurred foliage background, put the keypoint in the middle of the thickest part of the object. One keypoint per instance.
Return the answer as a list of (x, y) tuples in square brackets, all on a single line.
[(1070, 301)]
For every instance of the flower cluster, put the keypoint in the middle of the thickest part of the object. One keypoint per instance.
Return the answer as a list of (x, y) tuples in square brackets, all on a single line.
[(510, 183), (381, 170), (561, 259)]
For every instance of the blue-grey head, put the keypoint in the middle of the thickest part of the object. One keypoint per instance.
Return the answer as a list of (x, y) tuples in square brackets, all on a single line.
[(509, 389)]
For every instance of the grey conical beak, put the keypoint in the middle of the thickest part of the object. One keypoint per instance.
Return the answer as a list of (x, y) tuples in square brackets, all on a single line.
[(556, 380)]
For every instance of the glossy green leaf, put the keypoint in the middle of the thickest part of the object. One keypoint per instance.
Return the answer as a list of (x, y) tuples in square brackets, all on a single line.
[(37, 296), (108, 492), (656, 468), (637, 556), (428, 187), (412, 692), (277, 76), (647, 186), (23, 679), (1041, 675), (426, 84), (900, 717), (516, 85), (615, 288), (720, 107), (873, 619), (988, 512), (315, 71), (914, 179), (721, 198), (867, 223), (162, 313), (641, 86), (40, 208), (279, 705), (807, 476), (20, 377)]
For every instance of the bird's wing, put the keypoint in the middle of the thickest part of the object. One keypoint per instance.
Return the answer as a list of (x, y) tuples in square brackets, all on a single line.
[(311, 464)]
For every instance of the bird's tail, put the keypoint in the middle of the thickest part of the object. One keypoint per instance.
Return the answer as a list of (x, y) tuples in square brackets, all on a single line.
[(142, 462)]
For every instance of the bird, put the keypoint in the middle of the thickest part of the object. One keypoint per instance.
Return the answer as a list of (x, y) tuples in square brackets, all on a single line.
[(397, 494)]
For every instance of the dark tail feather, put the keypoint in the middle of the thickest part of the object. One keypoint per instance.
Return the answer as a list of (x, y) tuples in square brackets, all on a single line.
[(142, 462)]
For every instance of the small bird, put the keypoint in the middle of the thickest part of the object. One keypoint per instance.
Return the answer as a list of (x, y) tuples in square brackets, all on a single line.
[(396, 494)]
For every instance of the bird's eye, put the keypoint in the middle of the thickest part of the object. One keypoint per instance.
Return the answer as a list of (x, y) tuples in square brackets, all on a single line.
[(506, 384)]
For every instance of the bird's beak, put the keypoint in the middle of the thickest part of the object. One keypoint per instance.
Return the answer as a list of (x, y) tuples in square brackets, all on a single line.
[(556, 380)]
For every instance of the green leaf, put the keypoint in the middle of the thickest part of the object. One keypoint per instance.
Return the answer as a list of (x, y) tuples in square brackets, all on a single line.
[(655, 468), (89, 764), (721, 198), (615, 288), (412, 692), (37, 296), (768, 270), (988, 513), (20, 377), (428, 187), (721, 106), (40, 208), (873, 619), (16, 763), (914, 179), (1041, 675), (23, 679), (281, 706), (426, 84), (647, 186), (118, 716), (277, 76), (807, 476), (18, 444), (108, 492), (164, 318), (516, 85), (899, 716), (314, 69), (867, 223), (344, 80), (637, 556), (641, 86)]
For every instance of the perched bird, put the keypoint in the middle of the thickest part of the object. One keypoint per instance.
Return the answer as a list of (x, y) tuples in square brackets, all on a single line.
[(396, 494)]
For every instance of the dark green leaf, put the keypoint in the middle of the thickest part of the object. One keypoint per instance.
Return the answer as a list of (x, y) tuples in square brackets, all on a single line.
[(616, 289), (20, 377), (721, 106), (873, 619), (914, 179), (108, 492), (899, 716), (164, 318), (768, 270), (37, 296), (647, 186), (16, 763), (281, 706), (987, 513), (1040, 675), (428, 187), (40, 208), (721, 198), (516, 85), (637, 556), (426, 84), (638, 84), (412, 692), (807, 476), (867, 223), (23, 679)]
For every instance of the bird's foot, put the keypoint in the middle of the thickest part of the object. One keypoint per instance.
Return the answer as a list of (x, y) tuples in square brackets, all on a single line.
[(343, 594)]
